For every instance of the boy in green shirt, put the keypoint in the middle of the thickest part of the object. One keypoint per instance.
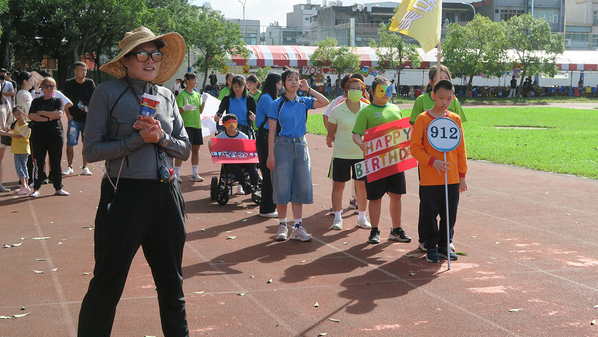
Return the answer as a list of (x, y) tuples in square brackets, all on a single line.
[(379, 113), (190, 106)]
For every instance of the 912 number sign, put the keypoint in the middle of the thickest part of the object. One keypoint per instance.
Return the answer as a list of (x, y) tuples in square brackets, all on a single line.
[(444, 134)]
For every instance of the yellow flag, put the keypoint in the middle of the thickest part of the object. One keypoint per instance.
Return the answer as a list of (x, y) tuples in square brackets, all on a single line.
[(421, 20)]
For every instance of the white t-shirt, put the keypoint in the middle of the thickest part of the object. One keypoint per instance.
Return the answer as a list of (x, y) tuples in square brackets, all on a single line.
[(24, 99), (7, 87)]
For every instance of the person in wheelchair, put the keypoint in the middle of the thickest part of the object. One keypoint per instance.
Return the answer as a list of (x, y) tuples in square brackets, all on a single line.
[(230, 122)]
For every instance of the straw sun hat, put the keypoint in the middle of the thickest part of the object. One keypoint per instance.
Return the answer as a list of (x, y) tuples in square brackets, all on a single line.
[(171, 44)]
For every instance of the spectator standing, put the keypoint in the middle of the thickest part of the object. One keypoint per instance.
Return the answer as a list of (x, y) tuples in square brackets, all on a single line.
[(190, 107), (7, 89), (19, 132), (24, 97), (513, 91), (288, 156), (272, 87), (47, 137), (226, 90), (213, 80), (78, 90), (138, 206), (6, 120)]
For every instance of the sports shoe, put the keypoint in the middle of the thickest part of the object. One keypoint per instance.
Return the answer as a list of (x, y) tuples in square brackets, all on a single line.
[(432, 255), (269, 215), (85, 171), (452, 247), (4, 189), (353, 203), (196, 177), (247, 189), (422, 247), (23, 190), (62, 193), (179, 179), (442, 253), (299, 233), (399, 234), (337, 224), (374, 236), (283, 232), (34, 194), (364, 223), (69, 170)]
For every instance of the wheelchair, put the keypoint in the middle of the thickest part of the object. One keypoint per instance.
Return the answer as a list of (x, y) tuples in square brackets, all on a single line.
[(221, 188)]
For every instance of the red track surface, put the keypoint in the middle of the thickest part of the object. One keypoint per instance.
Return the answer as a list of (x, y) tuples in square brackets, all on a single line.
[(530, 237)]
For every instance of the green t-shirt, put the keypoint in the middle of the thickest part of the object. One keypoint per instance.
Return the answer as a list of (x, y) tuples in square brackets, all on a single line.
[(256, 96), (425, 102), (224, 92), (191, 118), (344, 146), (375, 115)]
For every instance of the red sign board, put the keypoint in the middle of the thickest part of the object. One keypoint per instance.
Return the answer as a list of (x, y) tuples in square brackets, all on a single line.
[(233, 151)]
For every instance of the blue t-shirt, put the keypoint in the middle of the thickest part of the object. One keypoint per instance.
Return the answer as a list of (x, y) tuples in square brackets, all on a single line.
[(238, 106), (263, 105), (292, 116)]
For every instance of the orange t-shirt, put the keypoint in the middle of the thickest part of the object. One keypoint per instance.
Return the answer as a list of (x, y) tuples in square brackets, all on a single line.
[(426, 154)]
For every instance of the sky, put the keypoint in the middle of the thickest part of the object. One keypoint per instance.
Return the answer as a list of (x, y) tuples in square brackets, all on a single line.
[(266, 11)]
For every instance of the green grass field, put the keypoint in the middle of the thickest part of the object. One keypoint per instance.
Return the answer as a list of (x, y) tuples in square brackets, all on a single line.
[(547, 139)]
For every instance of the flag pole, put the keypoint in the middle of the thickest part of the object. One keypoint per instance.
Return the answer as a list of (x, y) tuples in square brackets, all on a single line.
[(438, 63)]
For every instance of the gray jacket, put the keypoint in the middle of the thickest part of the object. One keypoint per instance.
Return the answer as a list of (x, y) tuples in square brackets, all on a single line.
[(110, 136)]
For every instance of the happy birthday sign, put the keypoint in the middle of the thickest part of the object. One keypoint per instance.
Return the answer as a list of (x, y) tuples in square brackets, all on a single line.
[(387, 151)]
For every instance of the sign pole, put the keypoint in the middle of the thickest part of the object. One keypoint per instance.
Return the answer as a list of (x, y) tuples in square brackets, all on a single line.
[(448, 229)]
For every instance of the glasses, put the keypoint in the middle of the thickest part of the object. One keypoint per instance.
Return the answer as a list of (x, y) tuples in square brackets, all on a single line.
[(48, 86), (143, 56)]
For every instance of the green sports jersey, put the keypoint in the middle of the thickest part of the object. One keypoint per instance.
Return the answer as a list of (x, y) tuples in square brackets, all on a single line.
[(425, 102), (224, 92), (191, 118), (375, 115)]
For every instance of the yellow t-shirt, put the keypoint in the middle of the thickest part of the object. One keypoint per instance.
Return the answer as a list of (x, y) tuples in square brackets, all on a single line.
[(344, 146), (21, 145)]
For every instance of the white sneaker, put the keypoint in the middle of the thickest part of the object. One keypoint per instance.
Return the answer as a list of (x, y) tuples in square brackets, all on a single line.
[(299, 233), (85, 171), (452, 247), (196, 177), (364, 223), (179, 179), (337, 224), (269, 215), (283, 232), (69, 170), (421, 247)]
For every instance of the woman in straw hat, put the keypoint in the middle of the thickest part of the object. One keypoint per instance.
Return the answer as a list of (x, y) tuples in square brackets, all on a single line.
[(140, 203)]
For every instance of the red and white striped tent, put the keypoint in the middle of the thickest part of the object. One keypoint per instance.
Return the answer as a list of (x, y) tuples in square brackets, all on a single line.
[(298, 56)]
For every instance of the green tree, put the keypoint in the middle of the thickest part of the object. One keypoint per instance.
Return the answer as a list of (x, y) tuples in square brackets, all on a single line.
[(477, 48), (535, 48), (205, 29), (393, 52), (262, 73), (344, 58)]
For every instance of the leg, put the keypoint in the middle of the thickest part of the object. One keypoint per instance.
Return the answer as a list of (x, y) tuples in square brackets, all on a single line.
[(375, 210), (69, 155), (396, 208), (267, 205), (194, 154), (55, 156), (297, 210), (163, 250), (282, 211), (362, 201), (39, 159), (337, 195), (254, 177), (453, 194), (237, 171), (430, 198), (2, 152)]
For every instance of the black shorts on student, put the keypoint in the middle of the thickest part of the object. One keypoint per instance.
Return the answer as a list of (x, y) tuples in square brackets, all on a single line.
[(393, 184), (343, 170), (195, 135)]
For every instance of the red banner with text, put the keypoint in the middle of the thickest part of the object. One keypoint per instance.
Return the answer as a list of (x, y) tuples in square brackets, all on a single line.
[(233, 151)]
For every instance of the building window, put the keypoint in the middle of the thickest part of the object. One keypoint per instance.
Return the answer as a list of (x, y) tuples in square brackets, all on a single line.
[(595, 18), (506, 14), (550, 16)]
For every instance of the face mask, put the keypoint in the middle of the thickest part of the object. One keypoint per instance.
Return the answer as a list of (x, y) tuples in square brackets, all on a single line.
[(229, 123), (354, 95), (383, 90)]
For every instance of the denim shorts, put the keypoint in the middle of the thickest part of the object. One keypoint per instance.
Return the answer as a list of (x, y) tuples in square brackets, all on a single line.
[(291, 177), (72, 136)]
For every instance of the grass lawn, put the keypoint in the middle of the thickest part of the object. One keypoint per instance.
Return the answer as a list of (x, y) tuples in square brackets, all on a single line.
[(547, 139)]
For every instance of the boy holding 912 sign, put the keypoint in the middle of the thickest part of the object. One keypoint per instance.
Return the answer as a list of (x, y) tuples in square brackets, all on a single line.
[(432, 202)]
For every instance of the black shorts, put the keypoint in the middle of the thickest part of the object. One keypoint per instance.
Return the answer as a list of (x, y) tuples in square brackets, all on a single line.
[(343, 170), (195, 136), (393, 184)]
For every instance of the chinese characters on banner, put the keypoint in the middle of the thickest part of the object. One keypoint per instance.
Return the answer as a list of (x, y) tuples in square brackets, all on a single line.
[(388, 151), (233, 151)]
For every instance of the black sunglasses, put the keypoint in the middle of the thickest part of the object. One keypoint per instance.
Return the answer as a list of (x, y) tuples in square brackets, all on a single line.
[(143, 56)]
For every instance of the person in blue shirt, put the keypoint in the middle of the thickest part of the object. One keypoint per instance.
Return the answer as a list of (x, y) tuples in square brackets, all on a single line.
[(272, 86), (288, 155), (238, 103)]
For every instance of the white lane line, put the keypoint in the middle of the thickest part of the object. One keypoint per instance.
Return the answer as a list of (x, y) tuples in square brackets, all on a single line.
[(68, 318)]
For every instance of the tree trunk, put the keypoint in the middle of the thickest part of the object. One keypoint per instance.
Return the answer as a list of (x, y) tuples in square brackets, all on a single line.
[(205, 72), (521, 82)]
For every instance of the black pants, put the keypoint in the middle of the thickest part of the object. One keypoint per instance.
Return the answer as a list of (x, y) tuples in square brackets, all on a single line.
[(267, 205), (39, 150), (432, 203), (142, 213), (237, 171)]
